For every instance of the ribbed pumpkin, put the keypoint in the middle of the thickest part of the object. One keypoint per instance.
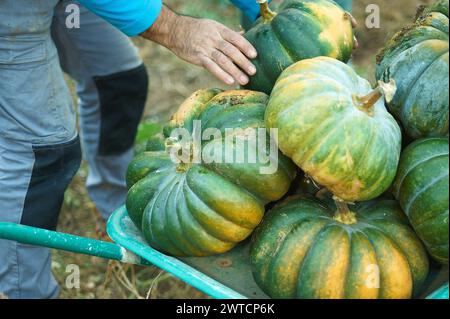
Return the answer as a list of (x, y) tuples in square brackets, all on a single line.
[(300, 30), (421, 187), (336, 128), (198, 208), (310, 250), (417, 58)]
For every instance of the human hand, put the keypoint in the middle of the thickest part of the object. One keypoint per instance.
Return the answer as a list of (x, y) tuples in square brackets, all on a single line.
[(207, 43)]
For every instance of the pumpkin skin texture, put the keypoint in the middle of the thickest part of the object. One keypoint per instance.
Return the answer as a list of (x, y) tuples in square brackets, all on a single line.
[(421, 187), (200, 209), (417, 58), (350, 148), (300, 30), (302, 251), (156, 143)]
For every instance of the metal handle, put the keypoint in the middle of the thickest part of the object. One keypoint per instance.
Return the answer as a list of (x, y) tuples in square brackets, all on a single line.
[(81, 245)]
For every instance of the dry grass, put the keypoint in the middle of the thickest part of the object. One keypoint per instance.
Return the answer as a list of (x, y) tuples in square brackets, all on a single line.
[(173, 80)]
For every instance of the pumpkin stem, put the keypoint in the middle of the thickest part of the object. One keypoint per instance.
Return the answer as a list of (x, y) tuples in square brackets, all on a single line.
[(366, 103), (174, 147), (343, 214), (265, 11)]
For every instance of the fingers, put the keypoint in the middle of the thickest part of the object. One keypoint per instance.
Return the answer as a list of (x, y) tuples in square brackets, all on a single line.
[(353, 21), (239, 42), (229, 67), (237, 57), (355, 43), (217, 71)]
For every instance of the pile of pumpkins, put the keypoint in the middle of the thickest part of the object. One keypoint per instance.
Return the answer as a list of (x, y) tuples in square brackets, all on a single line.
[(376, 206)]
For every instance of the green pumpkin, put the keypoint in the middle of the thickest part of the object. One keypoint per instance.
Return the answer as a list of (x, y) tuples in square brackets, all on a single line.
[(197, 208), (421, 187), (156, 143), (417, 58), (300, 30), (336, 128), (310, 249)]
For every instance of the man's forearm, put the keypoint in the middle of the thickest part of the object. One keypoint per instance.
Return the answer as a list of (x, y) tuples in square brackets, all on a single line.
[(163, 29), (222, 51)]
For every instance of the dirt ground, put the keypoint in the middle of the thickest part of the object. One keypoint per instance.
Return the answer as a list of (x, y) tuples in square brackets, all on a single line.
[(172, 81)]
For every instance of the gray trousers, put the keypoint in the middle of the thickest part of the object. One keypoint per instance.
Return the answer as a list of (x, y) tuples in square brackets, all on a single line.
[(112, 88), (103, 61)]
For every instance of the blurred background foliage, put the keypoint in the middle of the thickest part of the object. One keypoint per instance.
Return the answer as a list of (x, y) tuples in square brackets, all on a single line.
[(171, 81)]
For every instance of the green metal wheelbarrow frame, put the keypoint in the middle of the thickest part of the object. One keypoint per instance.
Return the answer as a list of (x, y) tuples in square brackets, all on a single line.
[(226, 276)]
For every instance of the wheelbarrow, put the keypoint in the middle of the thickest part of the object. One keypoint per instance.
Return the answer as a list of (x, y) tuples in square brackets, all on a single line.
[(226, 276)]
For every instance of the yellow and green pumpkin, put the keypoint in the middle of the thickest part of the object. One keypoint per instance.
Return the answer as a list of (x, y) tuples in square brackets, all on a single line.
[(300, 30), (310, 249), (336, 128), (190, 208), (417, 58), (421, 187)]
